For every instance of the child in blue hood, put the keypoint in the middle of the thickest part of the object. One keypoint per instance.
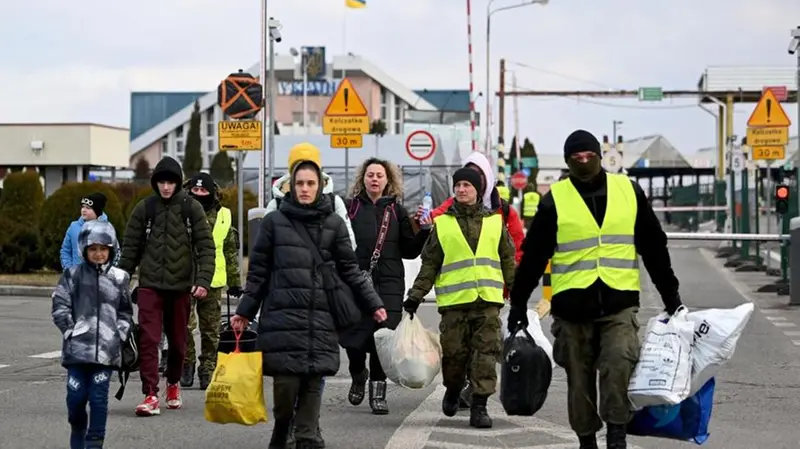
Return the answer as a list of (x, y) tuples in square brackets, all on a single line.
[(91, 209)]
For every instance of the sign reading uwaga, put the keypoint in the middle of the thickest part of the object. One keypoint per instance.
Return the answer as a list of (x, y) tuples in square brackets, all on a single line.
[(242, 135), (240, 96)]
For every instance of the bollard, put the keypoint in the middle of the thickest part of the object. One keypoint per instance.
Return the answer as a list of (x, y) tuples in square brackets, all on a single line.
[(794, 269), (543, 307), (254, 217)]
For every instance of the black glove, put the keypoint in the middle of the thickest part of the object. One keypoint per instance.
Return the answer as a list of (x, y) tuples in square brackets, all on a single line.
[(672, 303), (517, 316), (235, 292), (410, 306)]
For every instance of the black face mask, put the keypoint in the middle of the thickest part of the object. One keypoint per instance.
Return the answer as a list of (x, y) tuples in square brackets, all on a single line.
[(207, 201), (584, 171)]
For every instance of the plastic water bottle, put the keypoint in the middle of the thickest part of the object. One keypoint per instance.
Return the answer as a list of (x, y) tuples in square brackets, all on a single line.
[(427, 205)]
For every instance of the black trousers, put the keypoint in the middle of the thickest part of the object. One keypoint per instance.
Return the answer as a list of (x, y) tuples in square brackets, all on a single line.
[(358, 362), (306, 393)]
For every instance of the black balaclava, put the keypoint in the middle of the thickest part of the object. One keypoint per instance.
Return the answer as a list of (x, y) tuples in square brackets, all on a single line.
[(577, 142), (96, 201), (207, 182)]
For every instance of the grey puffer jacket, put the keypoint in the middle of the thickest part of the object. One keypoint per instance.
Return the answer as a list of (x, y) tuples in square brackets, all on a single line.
[(92, 304)]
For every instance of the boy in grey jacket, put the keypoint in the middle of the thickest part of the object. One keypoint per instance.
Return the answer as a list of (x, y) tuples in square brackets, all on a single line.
[(92, 308)]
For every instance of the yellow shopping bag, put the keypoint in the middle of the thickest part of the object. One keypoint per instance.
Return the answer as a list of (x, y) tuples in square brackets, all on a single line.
[(236, 392)]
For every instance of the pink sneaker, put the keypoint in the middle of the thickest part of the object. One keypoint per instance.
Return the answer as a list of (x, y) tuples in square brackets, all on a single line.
[(148, 407), (174, 401)]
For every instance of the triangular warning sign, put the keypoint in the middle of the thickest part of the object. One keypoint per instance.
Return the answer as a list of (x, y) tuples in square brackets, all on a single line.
[(769, 113), (346, 102)]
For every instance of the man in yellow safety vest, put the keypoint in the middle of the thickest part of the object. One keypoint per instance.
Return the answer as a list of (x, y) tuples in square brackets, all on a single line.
[(226, 274), (529, 206), (468, 258), (503, 191), (592, 225)]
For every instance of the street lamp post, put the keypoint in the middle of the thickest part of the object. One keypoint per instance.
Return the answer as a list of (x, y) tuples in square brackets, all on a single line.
[(614, 134), (794, 48), (489, 13)]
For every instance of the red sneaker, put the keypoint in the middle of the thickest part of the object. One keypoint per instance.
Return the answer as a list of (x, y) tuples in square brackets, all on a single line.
[(148, 407), (174, 401)]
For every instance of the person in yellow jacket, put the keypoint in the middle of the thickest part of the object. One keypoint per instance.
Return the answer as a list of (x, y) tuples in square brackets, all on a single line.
[(503, 191), (530, 204), (468, 258), (594, 226), (226, 274)]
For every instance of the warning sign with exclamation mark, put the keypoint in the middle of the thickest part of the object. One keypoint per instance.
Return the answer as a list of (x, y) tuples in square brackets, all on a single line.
[(346, 113), (768, 113)]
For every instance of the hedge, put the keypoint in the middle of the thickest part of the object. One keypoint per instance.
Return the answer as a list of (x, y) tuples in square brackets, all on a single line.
[(63, 207), (20, 207), (141, 193), (23, 197)]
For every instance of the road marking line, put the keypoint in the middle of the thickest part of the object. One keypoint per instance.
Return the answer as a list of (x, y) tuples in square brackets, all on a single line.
[(776, 318), (796, 342), (768, 311), (4, 366), (782, 324), (791, 333), (46, 355)]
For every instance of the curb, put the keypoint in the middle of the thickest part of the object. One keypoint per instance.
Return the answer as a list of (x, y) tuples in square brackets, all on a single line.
[(26, 290)]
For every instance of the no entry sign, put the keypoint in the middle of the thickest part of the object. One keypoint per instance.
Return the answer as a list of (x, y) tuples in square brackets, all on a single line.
[(420, 145), (519, 180)]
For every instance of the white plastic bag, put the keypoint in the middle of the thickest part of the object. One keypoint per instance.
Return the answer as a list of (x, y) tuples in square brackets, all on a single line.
[(534, 328), (410, 355), (716, 332), (664, 372)]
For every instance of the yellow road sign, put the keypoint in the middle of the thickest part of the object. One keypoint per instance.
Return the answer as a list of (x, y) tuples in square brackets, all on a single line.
[(769, 153), (242, 135), (346, 113), (345, 125), (768, 113), (764, 137), (347, 141)]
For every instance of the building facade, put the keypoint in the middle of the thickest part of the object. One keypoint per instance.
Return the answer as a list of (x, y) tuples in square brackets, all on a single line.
[(160, 121)]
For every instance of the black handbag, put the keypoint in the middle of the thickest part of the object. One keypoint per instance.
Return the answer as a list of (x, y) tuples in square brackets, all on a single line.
[(341, 300)]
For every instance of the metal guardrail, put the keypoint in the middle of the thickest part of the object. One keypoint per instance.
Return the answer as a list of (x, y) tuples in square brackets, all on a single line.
[(728, 237)]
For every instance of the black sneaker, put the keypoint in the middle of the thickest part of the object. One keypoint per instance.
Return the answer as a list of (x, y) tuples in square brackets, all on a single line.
[(187, 378)]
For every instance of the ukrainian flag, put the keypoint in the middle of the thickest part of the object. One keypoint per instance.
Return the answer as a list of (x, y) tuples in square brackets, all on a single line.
[(356, 4)]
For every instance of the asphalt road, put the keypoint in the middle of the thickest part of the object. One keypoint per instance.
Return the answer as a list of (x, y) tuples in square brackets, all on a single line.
[(756, 403)]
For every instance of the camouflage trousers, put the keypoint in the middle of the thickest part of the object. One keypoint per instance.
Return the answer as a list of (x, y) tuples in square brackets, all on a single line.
[(470, 347), (206, 312), (609, 346)]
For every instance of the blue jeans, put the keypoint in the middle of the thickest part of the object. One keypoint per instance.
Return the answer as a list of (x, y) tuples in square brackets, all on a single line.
[(87, 384)]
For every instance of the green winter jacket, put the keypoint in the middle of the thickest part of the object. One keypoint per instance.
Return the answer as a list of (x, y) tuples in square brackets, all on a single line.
[(166, 261)]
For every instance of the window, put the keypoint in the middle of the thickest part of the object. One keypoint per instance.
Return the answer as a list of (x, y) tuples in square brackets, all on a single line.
[(297, 117), (164, 148), (180, 159), (384, 111), (179, 147), (179, 132), (210, 146), (210, 129), (313, 118), (210, 115)]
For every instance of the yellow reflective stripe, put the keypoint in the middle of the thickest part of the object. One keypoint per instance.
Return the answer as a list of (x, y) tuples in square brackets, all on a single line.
[(478, 261), (603, 262), (469, 285), (582, 244)]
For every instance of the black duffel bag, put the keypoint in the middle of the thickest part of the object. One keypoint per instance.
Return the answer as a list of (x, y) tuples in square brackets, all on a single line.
[(525, 375)]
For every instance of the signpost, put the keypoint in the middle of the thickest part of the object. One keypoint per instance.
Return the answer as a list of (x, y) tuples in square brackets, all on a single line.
[(519, 180), (768, 127), (781, 92), (239, 135), (651, 94), (346, 120), (420, 146), (612, 161), (737, 161)]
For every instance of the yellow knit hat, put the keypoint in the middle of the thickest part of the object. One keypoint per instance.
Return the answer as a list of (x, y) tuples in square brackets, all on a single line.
[(304, 152)]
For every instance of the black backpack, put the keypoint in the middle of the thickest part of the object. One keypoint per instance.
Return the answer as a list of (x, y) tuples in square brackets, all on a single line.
[(130, 359)]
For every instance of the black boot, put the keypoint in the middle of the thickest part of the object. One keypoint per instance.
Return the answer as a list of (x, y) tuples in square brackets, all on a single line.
[(465, 400), (478, 415), (187, 378), (377, 398), (450, 401), (162, 363), (205, 379), (587, 441), (280, 435), (615, 436), (358, 388)]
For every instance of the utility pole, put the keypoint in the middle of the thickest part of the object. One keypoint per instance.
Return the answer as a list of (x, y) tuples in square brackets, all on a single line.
[(614, 137), (501, 154), (501, 118)]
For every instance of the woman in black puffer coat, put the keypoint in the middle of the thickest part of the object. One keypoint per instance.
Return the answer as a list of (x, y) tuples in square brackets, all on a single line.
[(377, 186), (296, 330)]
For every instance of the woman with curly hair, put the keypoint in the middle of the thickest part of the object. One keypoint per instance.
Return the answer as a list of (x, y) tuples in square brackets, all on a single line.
[(384, 237)]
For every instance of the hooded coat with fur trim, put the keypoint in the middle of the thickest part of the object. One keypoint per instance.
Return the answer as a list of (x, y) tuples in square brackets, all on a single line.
[(92, 304)]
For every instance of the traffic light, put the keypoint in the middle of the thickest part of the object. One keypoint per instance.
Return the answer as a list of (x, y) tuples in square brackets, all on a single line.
[(782, 199)]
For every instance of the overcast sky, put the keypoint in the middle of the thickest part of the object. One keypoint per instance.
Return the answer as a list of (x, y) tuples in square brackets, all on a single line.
[(78, 61)]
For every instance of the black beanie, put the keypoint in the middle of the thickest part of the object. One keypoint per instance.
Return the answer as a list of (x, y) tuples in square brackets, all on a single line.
[(469, 175), (205, 181), (579, 141), (96, 201)]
